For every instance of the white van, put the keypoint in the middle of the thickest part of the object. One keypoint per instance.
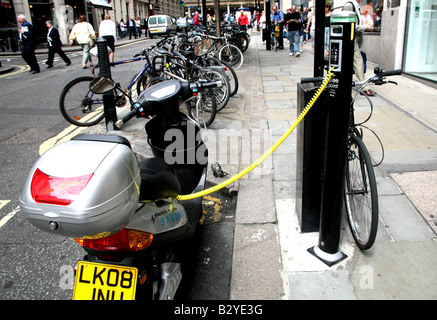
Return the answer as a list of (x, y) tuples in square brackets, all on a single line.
[(161, 25)]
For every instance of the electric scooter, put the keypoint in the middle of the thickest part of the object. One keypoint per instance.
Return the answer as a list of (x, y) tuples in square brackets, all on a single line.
[(124, 213)]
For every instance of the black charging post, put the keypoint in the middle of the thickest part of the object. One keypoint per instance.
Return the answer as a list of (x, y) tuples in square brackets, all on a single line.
[(268, 34), (337, 125), (108, 97)]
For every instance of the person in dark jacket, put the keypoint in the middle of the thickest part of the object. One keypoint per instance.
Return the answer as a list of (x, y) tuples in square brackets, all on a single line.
[(28, 44), (55, 45)]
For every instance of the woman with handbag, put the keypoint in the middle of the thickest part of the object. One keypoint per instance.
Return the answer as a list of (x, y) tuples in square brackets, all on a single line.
[(84, 34)]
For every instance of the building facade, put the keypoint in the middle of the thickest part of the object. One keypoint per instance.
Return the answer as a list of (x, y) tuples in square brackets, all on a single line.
[(404, 33), (404, 36), (65, 13)]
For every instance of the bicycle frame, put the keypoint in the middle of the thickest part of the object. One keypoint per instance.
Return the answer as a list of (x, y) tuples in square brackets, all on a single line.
[(147, 67)]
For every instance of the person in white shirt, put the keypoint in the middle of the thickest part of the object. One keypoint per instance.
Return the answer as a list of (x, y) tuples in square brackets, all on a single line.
[(123, 29), (107, 32)]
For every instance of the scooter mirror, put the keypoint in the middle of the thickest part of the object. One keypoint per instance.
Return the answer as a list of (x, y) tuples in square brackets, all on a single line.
[(102, 84)]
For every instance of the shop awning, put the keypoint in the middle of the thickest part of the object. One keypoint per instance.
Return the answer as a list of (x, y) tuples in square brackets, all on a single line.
[(100, 3)]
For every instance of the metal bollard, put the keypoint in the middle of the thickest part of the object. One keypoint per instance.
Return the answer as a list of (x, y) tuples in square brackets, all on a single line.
[(108, 97)]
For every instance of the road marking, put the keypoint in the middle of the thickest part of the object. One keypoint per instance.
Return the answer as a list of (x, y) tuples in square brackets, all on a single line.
[(65, 135), (3, 203), (21, 70), (7, 217)]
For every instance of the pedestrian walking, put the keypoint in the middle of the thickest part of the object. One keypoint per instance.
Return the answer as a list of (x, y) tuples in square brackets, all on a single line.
[(107, 32), (55, 45), (123, 29), (358, 63), (196, 21), (243, 21), (146, 25), (138, 27), (278, 17), (131, 24), (84, 34), (28, 44), (294, 22)]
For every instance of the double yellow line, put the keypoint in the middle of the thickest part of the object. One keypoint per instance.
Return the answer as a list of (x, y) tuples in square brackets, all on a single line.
[(20, 70), (65, 135)]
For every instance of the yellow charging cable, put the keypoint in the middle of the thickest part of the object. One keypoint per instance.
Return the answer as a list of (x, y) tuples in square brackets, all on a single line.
[(268, 152)]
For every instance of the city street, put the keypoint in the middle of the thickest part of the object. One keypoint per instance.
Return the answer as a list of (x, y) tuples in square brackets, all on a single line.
[(255, 250), (35, 265)]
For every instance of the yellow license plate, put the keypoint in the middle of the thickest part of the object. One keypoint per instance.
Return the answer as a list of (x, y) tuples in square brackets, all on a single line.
[(97, 281)]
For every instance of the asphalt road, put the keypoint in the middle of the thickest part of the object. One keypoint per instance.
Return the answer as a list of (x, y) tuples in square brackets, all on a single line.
[(35, 265)]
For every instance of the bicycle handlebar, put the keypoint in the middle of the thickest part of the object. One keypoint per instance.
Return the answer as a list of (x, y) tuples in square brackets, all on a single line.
[(391, 73), (376, 78), (313, 79)]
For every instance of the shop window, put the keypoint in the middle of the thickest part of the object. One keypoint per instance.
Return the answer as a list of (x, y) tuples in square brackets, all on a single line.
[(371, 13), (420, 52)]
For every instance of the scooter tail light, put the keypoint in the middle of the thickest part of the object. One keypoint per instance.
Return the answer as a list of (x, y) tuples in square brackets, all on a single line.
[(124, 240), (57, 190)]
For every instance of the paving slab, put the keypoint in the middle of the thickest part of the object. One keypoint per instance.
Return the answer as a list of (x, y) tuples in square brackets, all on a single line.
[(402, 270)]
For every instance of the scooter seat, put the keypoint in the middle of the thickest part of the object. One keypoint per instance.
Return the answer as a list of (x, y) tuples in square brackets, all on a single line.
[(158, 180), (102, 138)]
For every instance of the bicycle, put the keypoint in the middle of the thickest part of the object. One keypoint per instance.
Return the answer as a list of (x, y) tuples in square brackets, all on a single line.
[(226, 52), (81, 107), (274, 34), (176, 66), (361, 195), (207, 60)]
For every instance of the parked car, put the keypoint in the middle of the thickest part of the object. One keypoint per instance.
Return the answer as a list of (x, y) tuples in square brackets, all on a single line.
[(161, 25)]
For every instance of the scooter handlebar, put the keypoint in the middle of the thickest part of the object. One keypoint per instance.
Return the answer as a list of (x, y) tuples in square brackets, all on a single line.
[(207, 85)]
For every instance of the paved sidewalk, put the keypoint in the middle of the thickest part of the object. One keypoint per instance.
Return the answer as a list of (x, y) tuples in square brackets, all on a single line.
[(270, 253), (270, 258)]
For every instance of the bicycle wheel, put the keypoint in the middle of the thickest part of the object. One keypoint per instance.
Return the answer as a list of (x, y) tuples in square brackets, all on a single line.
[(232, 55), (222, 94), (228, 70), (152, 81), (203, 109), (141, 84), (244, 41), (273, 41), (79, 105), (361, 196)]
